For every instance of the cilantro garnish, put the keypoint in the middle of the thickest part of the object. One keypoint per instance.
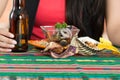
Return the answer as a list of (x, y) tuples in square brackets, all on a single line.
[(60, 25)]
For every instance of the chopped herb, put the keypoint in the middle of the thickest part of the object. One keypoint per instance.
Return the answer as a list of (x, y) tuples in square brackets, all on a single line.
[(64, 25), (60, 25)]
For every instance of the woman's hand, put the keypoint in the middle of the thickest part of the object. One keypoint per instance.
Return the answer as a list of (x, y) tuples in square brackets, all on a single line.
[(6, 41)]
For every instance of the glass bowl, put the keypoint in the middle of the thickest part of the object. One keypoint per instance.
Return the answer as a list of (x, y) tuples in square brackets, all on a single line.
[(62, 36)]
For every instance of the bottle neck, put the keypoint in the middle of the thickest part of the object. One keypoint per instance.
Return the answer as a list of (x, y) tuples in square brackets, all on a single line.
[(18, 4)]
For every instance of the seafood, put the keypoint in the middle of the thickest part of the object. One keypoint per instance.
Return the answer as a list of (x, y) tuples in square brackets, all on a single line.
[(83, 48), (57, 34), (70, 51), (39, 43), (55, 47), (66, 33)]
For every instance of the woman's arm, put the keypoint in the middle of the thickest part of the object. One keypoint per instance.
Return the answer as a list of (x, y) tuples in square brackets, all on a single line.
[(113, 21), (2, 6), (6, 6)]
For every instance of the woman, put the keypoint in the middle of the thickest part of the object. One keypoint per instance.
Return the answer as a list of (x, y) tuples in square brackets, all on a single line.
[(87, 15)]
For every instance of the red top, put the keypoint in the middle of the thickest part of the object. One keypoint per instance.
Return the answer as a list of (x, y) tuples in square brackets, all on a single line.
[(49, 13)]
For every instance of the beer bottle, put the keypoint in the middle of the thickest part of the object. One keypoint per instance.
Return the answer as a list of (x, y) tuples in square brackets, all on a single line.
[(19, 25)]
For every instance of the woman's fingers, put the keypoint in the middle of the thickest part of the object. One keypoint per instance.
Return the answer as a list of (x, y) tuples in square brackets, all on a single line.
[(6, 41), (5, 45), (5, 32), (5, 50)]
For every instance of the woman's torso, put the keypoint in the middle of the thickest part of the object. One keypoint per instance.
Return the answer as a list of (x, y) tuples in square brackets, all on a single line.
[(87, 15), (49, 13)]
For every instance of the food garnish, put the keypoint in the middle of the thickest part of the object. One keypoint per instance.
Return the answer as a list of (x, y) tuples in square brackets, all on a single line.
[(64, 25), (60, 25), (106, 44)]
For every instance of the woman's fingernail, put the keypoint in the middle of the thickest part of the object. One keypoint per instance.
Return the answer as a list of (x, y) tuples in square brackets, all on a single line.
[(11, 35), (14, 42), (9, 50), (12, 46)]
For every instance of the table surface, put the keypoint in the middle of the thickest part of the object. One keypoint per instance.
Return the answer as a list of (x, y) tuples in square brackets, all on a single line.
[(34, 63)]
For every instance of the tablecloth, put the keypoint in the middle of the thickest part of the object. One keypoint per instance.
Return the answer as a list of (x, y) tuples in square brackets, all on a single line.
[(33, 65)]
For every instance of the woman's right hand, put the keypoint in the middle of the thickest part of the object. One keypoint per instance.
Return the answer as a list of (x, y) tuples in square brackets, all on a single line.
[(6, 41)]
